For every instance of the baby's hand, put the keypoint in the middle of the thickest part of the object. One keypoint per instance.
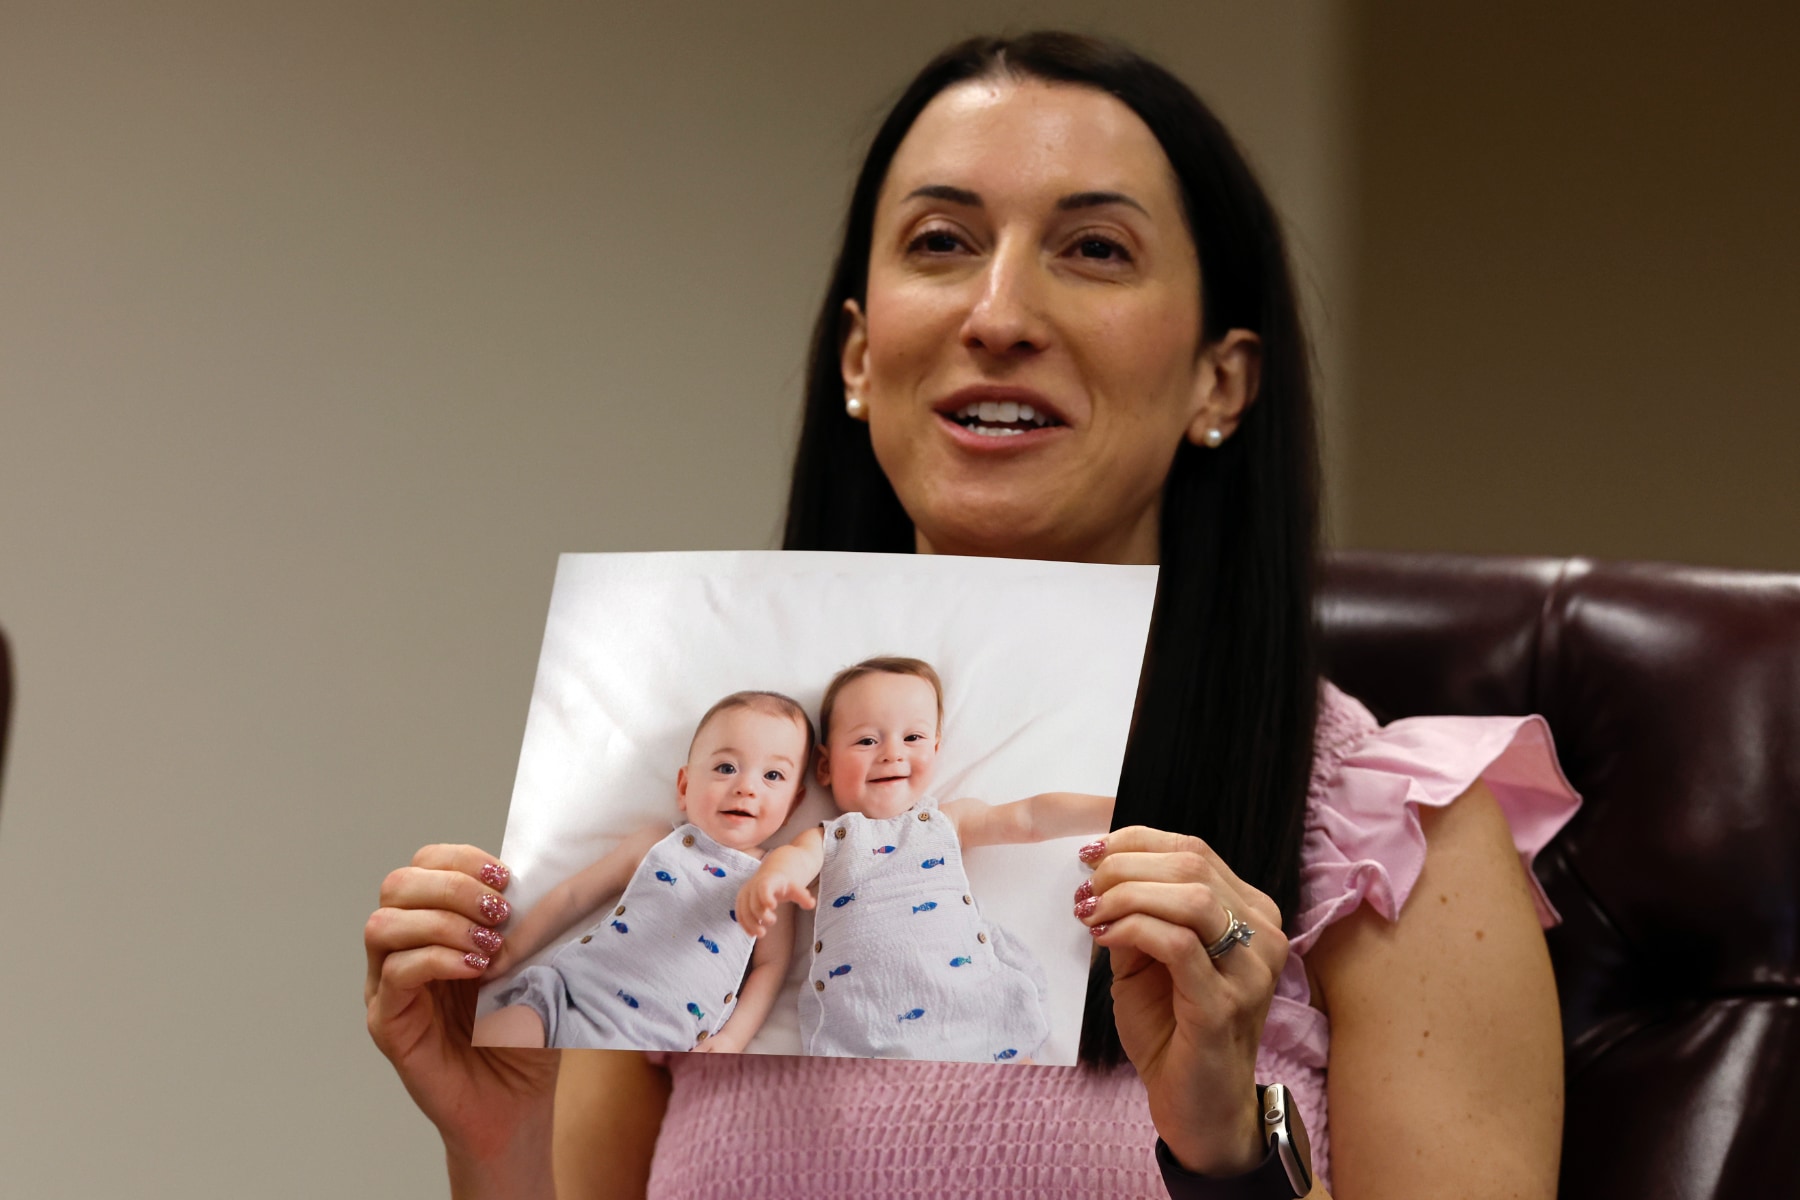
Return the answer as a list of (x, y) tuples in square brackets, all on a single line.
[(767, 891), (719, 1043)]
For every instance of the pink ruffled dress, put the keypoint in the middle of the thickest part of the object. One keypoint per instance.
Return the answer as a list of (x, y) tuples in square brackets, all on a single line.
[(796, 1128)]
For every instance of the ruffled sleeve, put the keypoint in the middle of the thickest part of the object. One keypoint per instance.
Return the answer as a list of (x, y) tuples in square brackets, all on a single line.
[(1364, 843)]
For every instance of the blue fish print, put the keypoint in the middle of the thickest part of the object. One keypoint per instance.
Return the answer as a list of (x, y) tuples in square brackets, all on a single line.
[(694, 1009), (1006, 1054), (631, 1000), (836, 971), (621, 926), (665, 877), (961, 960), (932, 862), (843, 900), (734, 914), (882, 850), (709, 943), (912, 1014), (715, 872), (925, 907)]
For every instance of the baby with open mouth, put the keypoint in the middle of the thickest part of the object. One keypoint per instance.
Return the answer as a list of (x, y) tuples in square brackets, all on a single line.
[(665, 967), (903, 964)]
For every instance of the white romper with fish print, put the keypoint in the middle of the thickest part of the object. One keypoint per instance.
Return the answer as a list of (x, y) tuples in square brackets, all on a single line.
[(661, 971), (903, 966)]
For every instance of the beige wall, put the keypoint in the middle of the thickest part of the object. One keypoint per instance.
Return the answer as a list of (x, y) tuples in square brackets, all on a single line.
[(1576, 280), (323, 328)]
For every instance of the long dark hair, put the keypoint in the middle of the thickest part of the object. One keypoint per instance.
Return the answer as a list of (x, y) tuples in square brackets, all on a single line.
[(1221, 746)]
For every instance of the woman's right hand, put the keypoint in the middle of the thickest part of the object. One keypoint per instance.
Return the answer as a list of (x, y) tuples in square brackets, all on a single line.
[(428, 945)]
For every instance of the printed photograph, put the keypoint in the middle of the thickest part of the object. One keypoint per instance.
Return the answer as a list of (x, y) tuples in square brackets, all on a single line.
[(814, 803)]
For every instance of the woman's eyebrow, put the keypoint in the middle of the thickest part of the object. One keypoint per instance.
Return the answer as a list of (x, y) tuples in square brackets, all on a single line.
[(1077, 200), (1097, 199), (943, 191)]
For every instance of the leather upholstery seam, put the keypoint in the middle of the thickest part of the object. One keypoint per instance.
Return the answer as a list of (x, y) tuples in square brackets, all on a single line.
[(1605, 1036), (1541, 646)]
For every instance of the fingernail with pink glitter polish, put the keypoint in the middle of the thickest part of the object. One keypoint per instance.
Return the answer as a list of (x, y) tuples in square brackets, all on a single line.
[(1097, 930), (485, 939), (495, 876), (1084, 891), (494, 909), (476, 962), (1085, 908), (1091, 852)]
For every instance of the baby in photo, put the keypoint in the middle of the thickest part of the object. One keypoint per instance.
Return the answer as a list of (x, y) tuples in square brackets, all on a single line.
[(665, 967), (903, 964)]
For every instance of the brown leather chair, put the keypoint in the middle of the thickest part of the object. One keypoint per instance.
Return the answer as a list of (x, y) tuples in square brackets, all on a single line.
[(1674, 695)]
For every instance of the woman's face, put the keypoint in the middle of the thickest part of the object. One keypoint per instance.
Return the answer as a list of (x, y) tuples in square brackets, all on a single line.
[(1029, 352)]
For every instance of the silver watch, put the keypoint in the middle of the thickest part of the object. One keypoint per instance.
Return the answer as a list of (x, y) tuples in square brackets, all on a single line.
[(1286, 1136), (1284, 1173)]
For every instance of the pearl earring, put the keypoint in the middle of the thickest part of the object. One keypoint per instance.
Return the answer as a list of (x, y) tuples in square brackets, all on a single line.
[(1213, 437), (856, 408)]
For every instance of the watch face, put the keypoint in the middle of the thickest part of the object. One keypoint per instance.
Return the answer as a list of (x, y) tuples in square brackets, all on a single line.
[(1296, 1161)]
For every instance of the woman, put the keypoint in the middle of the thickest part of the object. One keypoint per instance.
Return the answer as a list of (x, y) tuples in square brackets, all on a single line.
[(1062, 326)]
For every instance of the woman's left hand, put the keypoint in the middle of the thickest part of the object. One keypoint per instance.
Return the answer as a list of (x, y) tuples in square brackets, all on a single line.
[(1190, 1024)]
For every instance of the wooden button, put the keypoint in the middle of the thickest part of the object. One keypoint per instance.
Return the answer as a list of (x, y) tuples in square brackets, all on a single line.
[(619, 911), (586, 938), (687, 839), (818, 946), (982, 938), (703, 1036), (966, 900), (840, 833), (924, 816), (729, 996), (818, 985)]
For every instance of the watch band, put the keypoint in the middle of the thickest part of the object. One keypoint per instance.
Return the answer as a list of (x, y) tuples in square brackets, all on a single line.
[(1266, 1181), (1275, 1178)]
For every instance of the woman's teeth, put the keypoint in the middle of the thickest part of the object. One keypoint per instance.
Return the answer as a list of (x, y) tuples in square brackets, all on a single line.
[(1001, 418)]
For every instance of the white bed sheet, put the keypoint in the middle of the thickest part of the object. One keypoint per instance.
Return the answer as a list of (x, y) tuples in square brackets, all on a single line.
[(1040, 667)]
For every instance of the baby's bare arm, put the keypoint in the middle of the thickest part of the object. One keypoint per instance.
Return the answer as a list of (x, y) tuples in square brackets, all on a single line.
[(1040, 818), (756, 995), (785, 874), (577, 896)]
